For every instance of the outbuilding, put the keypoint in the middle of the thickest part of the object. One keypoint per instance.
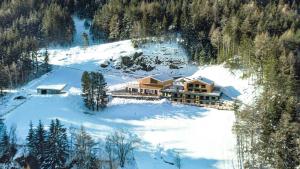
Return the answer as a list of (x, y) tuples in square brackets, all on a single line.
[(51, 89)]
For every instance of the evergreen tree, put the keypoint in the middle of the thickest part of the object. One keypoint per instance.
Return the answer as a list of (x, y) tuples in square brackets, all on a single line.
[(2, 126), (5, 147), (57, 147), (40, 143), (46, 60), (93, 89), (31, 144), (85, 84), (57, 25)]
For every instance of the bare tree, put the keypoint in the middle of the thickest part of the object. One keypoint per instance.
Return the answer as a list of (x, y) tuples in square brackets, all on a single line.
[(109, 151), (177, 160), (84, 145), (122, 144)]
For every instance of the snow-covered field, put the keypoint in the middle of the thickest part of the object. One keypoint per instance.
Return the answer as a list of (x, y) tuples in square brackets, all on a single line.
[(203, 136)]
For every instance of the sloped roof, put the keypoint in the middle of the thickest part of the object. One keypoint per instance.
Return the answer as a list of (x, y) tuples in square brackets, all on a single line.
[(180, 81), (205, 80), (52, 87), (162, 77), (201, 79)]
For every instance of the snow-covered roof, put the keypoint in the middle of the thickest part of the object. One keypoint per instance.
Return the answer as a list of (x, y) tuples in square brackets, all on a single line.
[(205, 80), (52, 87), (162, 77), (182, 80)]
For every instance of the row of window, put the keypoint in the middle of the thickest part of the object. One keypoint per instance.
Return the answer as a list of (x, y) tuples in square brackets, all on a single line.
[(196, 86), (193, 101), (145, 91), (197, 90), (176, 95)]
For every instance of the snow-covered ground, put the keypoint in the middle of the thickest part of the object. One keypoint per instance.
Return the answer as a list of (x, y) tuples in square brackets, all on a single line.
[(203, 136)]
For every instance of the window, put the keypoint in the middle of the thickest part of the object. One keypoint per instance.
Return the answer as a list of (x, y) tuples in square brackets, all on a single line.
[(44, 91), (204, 90), (188, 96), (191, 85), (197, 85), (206, 98), (175, 100), (188, 101), (213, 98), (197, 90), (202, 86), (147, 91), (201, 97)]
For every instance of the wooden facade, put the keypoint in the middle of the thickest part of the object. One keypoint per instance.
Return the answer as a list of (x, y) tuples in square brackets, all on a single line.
[(149, 86), (199, 91), (193, 91), (198, 86), (192, 97)]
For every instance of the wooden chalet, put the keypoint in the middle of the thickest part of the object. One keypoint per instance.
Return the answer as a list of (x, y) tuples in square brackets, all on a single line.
[(195, 91), (198, 91), (151, 85)]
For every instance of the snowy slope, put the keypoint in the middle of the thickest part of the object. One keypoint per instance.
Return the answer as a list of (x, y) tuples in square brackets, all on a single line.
[(203, 136)]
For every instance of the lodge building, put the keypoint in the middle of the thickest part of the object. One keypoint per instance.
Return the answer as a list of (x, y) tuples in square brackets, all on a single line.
[(193, 91), (151, 85), (197, 91)]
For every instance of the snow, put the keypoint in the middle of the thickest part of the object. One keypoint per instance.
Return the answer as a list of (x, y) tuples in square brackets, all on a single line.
[(232, 85), (80, 29), (203, 136), (52, 87), (162, 77), (166, 51)]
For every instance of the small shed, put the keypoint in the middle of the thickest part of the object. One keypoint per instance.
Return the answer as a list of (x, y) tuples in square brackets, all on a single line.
[(51, 89)]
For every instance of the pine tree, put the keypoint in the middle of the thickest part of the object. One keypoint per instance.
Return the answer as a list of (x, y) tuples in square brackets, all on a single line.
[(46, 60), (2, 126), (5, 146), (40, 143), (86, 84), (100, 91), (57, 147), (93, 89), (57, 25), (31, 144)]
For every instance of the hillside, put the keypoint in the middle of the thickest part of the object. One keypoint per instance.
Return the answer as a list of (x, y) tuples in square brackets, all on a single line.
[(163, 127), (250, 49)]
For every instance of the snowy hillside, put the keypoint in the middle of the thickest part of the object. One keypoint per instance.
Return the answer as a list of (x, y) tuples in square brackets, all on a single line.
[(203, 136)]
